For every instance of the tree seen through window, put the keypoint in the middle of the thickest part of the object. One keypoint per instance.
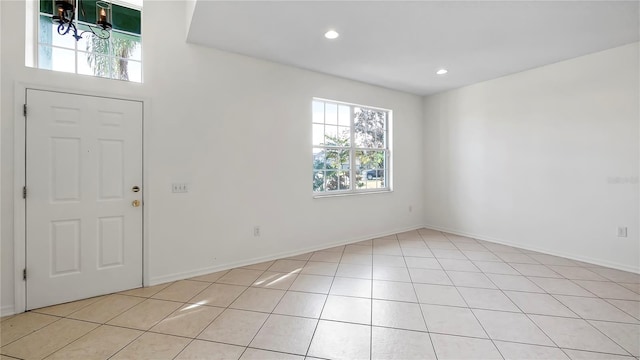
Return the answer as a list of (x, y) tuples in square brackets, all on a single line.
[(351, 150), (118, 57)]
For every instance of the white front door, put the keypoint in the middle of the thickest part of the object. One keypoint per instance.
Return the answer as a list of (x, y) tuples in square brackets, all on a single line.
[(83, 225)]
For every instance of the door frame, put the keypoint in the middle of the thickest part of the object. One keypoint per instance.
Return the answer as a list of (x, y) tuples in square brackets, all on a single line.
[(19, 178)]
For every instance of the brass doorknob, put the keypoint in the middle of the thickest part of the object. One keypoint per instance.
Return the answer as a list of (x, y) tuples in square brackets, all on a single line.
[(135, 203)]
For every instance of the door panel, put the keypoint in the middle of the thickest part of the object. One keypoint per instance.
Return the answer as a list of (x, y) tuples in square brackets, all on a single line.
[(83, 157), (65, 247), (111, 168), (65, 169), (111, 241)]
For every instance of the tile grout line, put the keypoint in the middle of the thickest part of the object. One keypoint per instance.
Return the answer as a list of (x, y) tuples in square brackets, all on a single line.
[(225, 308), (36, 330), (424, 320), (272, 311), (555, 296), (168, 315), (112, 325), (469, 308), (573, 281), (552, 295), (56, 350), (239, 295), (35, 311), (411, 302), (636, 316), (69, 344), (151, 297), (279, 300), (594, 327), (371, 305), (103, 324), (333, 278), (465, 301), (387, 327), (455, 244), (67, 317), (516, 305), (148, 330), (528, 277), (228, 307)]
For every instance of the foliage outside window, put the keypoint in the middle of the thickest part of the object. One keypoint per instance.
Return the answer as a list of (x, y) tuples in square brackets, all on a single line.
[(118, 57), (350, 148)]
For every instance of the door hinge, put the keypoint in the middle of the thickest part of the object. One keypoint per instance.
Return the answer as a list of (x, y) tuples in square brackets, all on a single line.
[(24, 110), (24, 274), (24, 192)]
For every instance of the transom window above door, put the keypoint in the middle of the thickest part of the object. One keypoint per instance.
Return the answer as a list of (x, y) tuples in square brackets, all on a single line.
[(117, 57)]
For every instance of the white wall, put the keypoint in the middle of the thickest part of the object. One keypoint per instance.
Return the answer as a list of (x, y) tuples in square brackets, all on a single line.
[(238, 131), (546, 159)]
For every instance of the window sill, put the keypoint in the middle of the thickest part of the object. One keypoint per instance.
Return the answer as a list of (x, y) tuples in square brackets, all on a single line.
[(315, 196)]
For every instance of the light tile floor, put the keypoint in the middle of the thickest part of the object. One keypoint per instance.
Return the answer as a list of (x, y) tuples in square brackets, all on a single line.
[(416, 295)]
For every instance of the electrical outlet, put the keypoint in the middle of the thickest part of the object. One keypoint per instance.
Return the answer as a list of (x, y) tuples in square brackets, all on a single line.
[(622, 231), (179, 187), (256, 231)]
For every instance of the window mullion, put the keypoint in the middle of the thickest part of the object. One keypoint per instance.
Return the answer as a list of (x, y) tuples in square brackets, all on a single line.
[(324, 141), (75, 45), (387, 170), (352, 151)]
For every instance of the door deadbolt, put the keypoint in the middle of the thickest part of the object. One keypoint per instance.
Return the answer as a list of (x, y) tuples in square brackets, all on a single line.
[(135, 203), (135, 188)]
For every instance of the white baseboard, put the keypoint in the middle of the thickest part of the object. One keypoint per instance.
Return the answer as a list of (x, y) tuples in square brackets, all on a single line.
[(585, 259), (208, 270), (7, 310)]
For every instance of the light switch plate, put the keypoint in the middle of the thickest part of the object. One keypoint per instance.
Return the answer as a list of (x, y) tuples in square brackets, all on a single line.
[(179, 187)]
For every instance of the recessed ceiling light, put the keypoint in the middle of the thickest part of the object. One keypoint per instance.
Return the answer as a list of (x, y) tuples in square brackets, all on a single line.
[(331, 34), (442, 71)]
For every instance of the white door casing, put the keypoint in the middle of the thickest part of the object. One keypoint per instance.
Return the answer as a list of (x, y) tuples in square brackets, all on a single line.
[(83, 232)]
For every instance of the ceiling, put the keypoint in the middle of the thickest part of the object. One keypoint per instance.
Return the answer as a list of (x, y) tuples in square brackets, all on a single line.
[(401, 44)]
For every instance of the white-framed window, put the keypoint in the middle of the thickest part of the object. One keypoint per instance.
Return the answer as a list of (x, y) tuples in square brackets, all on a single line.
[(351, 152), (118, 57)]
